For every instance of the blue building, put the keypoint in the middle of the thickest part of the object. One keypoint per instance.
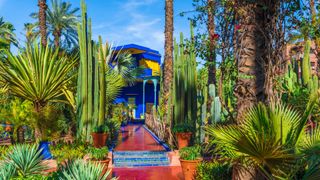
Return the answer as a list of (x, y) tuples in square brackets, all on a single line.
[(145, 93)]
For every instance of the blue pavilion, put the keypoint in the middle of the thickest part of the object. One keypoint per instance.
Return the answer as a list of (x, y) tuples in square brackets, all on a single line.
[(145, 93)]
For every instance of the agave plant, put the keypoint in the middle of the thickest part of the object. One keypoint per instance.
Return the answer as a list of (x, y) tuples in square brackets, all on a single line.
[(268, 140), (23, 161), (7, 171), (40, 75), (81, 170)]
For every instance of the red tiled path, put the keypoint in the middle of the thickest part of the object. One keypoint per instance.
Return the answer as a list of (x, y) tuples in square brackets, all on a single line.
[(136, 138), (149, 173)]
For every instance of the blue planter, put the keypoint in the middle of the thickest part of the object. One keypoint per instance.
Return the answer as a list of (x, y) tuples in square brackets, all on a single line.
[(45, 150)]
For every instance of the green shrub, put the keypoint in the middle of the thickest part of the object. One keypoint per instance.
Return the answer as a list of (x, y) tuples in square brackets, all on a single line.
[(81, 170), (63, 151), (190, 153), (214, 171), (98, 153), (3, 152), (101, 129), (114, 126), (182, 128)]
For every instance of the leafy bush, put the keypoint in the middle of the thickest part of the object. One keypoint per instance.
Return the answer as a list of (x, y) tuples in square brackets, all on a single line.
[(81, 170), (271, 139), (114, 126), (98, 153), (23, 161), (190, 153), (3, 152), (101, 129), (214, 171), (182, 128), (63, 151)]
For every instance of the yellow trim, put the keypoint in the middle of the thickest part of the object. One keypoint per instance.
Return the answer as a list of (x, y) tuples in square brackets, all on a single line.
[(155, 66)]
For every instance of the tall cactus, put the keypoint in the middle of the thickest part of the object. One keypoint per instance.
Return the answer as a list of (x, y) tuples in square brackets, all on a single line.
[(84, 98), (306, 67), (184, 91), (102, 55), (215, 111), (91, 90)]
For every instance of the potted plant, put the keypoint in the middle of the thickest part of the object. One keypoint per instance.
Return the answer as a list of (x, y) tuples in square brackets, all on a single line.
[(183, 134), (100, 136), (100, 155), (190, 158)]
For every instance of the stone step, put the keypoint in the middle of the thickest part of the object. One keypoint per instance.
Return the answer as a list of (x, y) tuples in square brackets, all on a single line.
[(139, 164), (140, 158), (130, 153)]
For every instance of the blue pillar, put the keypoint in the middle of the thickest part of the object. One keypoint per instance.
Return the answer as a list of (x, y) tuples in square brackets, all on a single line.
[(155, 83), (144, 99)]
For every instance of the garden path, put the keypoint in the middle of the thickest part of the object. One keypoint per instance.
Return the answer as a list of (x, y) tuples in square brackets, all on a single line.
[(135, 138)]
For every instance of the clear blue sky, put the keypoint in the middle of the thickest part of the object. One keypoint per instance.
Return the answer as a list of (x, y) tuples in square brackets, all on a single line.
[(118, 21)]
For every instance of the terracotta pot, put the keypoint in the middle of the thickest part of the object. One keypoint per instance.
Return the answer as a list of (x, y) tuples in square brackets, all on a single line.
[(105, 163), (99, 139), (189, 168), (183, 139)]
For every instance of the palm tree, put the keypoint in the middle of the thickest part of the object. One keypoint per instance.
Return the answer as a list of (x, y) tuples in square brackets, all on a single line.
[(168, 57), (30, 33), (211, 53), (252, 53), (43, 21), (62, 22), (6, 34), (39, 75), (270, 141)]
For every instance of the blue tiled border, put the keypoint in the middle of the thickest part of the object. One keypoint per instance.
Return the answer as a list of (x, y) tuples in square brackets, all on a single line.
[(165, 146)]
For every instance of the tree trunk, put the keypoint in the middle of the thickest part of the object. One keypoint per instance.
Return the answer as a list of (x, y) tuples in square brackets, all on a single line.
[(37, 129), (57, 35), (250, 57), (168, 59), (211, 53), (42, 21), (317, 39)]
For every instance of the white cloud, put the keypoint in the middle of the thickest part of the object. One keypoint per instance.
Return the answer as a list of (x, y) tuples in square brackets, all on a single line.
[(133, 4), (134, 25)]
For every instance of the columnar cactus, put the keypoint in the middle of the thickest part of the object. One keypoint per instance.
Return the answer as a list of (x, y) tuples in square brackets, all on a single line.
[(84, 94), (306, 67), (91, 90), (184, 88), (215, 111)]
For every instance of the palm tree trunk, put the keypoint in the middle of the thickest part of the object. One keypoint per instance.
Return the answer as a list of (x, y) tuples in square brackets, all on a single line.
[(42, 21), (168, 58), (211, 53), (317, 39), (57, 35), (37, 129), (253, 55), (250, 57)]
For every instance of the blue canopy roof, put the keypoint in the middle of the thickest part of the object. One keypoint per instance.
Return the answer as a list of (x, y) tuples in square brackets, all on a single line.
[(137, 47)]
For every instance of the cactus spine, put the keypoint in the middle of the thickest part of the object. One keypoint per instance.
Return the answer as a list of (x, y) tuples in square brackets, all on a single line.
[(184, 88)]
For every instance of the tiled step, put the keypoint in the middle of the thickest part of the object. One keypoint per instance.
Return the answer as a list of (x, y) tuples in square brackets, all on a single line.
[(140, 158)]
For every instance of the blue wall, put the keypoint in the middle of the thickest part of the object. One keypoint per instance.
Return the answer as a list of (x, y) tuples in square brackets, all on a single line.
[(137, 92)]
